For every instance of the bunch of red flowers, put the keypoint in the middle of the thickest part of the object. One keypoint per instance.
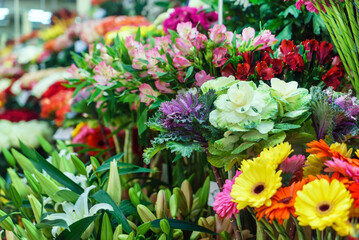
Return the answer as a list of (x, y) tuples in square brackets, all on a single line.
[(307, 62), (56, 102)]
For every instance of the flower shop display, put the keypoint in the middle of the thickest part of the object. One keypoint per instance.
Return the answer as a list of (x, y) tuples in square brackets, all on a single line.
[(120, 128)]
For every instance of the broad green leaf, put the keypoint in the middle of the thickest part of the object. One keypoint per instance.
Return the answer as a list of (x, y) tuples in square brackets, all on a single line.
[(45, 223), (244, 146), (67, 195), (77, 229), (41, 164)]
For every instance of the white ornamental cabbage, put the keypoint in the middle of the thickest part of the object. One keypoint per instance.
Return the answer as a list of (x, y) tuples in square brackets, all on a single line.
[(244, 107)]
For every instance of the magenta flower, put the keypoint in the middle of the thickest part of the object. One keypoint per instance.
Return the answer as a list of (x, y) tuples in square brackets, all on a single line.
[(219, 56), (207, 19), (202, 77), (147, 94), (223, 202), (180, 15), (337, 165), (104, 73), (293, 164)]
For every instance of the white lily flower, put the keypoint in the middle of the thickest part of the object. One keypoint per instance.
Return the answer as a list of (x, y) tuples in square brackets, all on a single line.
[(79, 210)]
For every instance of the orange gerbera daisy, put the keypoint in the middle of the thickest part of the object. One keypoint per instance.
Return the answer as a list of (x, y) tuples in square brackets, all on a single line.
[(320, 148), (335, 175), (354, 190), (282, 203)]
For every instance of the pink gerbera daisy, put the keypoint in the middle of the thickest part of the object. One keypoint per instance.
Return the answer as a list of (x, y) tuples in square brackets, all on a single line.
[(223, 204)]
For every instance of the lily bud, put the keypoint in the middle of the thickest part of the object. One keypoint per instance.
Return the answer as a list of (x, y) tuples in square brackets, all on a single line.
[(106, 229), (168, 195), (146, 216), (9, 235), (23, 161), (94, 162), (133, 196), (34, 185), (143, 228), (204, 193), (161, 204), (188, 193), (124, 237), (177, 234), (118, 232), (162, 237), (45, 144), (36, 207), (131, 236), (19, 185), (15, 197), (7, 223), (9, 158), (32, 232), (165, 226), (79, 165), (48, 186), (174, 206), (114, 184), (182, 202)]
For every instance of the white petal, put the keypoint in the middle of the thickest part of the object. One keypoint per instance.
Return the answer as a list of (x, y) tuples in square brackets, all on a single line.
[(100, 206), (81, 206)]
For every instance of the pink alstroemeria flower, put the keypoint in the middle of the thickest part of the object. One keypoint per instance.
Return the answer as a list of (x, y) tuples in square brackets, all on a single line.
[(147, 94)]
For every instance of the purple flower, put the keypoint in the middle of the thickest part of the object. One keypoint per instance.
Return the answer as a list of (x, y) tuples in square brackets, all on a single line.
[(349, 105)]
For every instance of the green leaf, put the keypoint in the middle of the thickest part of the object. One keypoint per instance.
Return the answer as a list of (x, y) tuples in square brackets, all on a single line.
[(8, 215), (185, 149), (189, 72), (41, 164), (106, 165), (286, 33), (274, 140), (141, 122), (149, 153), (318, 24), (102, 197), (45, 223), (244, 146), (186, 226), (290, 10), (138, 35), (67, 195), (77, 229)]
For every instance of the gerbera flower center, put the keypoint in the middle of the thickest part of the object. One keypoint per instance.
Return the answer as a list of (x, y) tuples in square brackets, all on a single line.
[(285, 200), (324, 207), (258, 188)]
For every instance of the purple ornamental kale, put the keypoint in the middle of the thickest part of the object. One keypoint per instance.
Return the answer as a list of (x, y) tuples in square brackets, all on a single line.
[(180, 111)]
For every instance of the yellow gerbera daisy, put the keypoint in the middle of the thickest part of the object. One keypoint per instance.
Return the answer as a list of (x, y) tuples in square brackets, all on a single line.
[(256, 185), (322, 204), (313, 165), (271, 156), (342, 149)]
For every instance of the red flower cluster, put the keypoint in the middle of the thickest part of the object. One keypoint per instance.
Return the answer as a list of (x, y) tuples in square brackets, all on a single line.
[(56, 102), (17, 115), (310, 59)]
